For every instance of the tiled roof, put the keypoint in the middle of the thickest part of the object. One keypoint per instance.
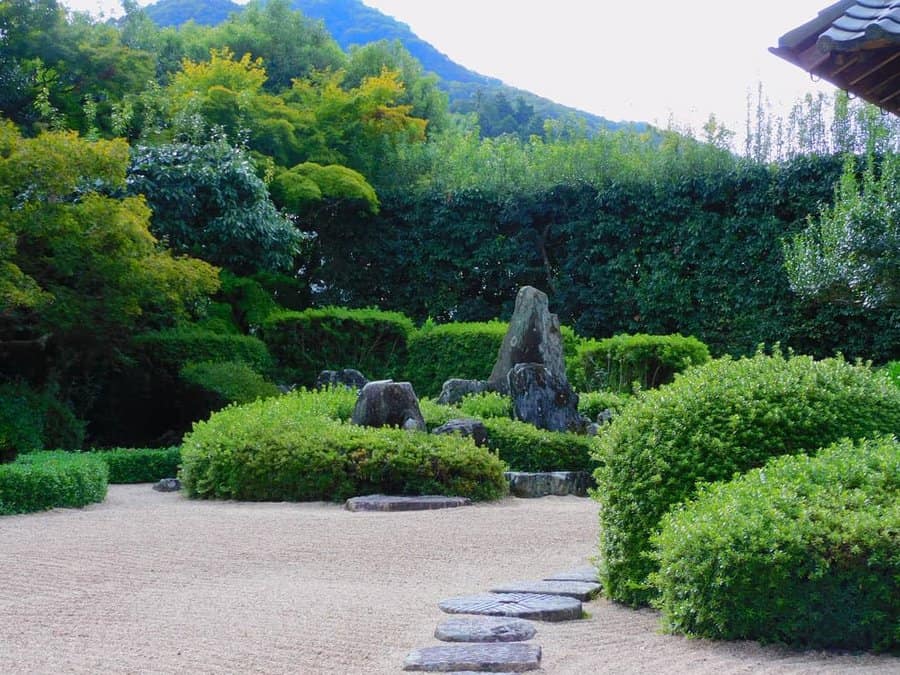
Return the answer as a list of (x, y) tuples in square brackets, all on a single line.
[(864, 21), (855, 45)]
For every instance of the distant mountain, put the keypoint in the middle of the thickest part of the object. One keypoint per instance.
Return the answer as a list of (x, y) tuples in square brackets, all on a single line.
[(351, 22)]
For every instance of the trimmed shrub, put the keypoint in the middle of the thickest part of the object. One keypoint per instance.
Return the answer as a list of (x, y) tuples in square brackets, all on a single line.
[(251, 304), (804, 551), (291, 448), (486, 404), (713, 421), (436, 414), (32, 420), (174, 348), (891, 370), (213, 385), (46, 480), (592, 403), (308, 342), (140, 465), (618, 362), (219, 319), (526, 448)]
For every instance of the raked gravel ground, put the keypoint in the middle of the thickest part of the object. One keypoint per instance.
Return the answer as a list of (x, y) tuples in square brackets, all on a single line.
[(156, 583)]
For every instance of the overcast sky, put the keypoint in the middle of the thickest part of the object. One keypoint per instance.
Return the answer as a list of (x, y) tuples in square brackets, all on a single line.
[(624, 60)]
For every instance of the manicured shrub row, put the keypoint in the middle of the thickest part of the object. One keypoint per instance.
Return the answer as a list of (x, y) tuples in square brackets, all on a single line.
[(139, 465), (33, 420), (292, 448), (618, 362), (526, 448), (306, 343), (804, 551), (174, 348), (45, 480), (714, 421)]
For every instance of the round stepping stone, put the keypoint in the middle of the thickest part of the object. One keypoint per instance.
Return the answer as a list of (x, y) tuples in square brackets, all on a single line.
[(518, 605), (587, 573), (488, 658), (580, 590), (485, 629), (391, 503)]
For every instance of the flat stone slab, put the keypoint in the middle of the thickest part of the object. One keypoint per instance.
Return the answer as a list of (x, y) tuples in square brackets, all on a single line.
[(485, 629), (516, 657), (586, 573), (518, 605), (580, 590), (391, 503)]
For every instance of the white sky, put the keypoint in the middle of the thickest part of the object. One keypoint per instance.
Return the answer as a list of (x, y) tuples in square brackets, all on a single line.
[(624, 60)]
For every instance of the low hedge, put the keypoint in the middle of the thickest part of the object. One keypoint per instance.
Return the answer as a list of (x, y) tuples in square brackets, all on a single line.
[(45, 480), (805, 552), (139, 465), (291, 448), (308, 342), (713, 421), (527, 448), (618, 362)]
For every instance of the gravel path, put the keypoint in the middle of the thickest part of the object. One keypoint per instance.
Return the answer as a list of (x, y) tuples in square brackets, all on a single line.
[(156, 583)]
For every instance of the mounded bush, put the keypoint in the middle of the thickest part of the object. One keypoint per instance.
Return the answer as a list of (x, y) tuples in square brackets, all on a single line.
[(526, 448), (250, 303), (804, 551), (713, 421), (33, 420), (212, 385), (173, 348), (295, 448), (139, 465), (618, 362), (891, 371), (592, 403), (308, 342), (44, 480)]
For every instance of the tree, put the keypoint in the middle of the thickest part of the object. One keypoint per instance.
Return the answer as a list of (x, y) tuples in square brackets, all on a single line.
[(852, 251), (208, 202)]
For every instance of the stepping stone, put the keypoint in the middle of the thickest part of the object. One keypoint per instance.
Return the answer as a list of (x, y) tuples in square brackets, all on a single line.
[(580, 590), (586, 573), (484, 629), (391, 503), (518, 605), (489, 658)]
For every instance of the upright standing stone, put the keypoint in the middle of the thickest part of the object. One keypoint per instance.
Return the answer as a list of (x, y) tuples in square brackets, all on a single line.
[(533, 336), (386, 403), (543, 399)]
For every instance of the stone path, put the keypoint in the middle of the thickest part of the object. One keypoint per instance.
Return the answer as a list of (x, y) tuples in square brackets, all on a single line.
[(494, 639)]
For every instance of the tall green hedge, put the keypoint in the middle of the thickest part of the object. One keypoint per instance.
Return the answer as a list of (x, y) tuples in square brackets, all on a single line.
[(172, 349), (804, 551), (713, 421), (308, 342), (618, 362), (44, 480)]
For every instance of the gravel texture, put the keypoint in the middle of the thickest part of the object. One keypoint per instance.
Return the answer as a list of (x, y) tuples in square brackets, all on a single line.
[(149, 582)]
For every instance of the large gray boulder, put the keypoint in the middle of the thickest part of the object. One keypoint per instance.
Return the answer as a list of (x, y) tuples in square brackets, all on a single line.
[(543, 399), (348, 377), (533, 336), (454, 390), (386, 403)]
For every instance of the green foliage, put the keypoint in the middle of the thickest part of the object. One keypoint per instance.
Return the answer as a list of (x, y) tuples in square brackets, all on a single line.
[(891, 370), (303, 187), (218, 383), (438, 353), (486, 404), (527, 448), (173, 348), (208, 202), (251, 304), (713, 421), (592, 403), (46, 480), (437, 415), (803, 551), (291, 448), (32, 420), (853, 250), (308, 342), (618, 362), (139, 465)]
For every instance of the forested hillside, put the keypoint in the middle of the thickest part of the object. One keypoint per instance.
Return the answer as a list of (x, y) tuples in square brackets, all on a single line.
[(499, 108), (163, 191)]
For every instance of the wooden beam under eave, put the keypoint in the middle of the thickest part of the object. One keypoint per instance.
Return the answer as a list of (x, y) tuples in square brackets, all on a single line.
[(876, 68)]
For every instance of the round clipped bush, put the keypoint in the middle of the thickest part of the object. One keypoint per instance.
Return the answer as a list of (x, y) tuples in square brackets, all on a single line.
[(592, 403), (44, 480), (713, 421), (211, 385), (296, 448), (804, 551)]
